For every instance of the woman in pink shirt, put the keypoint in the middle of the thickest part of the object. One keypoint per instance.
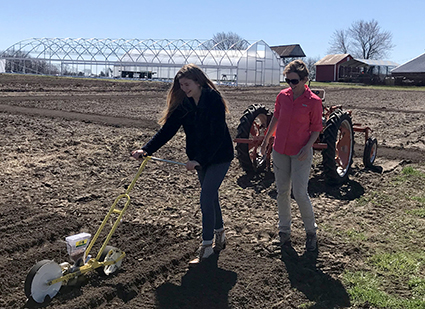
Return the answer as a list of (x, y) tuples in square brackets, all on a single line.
[(296, 122)]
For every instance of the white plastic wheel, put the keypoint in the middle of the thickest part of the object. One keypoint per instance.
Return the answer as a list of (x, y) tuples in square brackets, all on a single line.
[(36, 286), (110, 254)]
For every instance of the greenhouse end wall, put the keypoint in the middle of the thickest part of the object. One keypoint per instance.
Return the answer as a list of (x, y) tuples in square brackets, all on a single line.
[(259, 66), (2, 65)]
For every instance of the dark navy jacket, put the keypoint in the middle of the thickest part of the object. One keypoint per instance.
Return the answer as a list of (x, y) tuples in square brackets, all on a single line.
[(208, 139)]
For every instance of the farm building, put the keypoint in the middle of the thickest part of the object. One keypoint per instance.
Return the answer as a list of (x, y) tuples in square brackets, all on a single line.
[(411, 72), (328, 68), (345, 68), (237, 63), (367, 71), (287, 53)]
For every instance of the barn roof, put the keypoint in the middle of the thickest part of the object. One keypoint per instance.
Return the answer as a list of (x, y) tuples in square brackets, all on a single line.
[(416, 65), (368, 62), (288, 51), (331, 59)]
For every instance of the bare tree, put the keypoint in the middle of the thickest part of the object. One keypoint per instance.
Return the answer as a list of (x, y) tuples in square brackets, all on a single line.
[(339, 42), (20, 62), (369, 41), (310, 61), (226, 41), (363, 40)]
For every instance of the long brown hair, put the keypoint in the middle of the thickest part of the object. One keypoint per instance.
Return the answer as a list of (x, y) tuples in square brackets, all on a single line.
[(176, 96)]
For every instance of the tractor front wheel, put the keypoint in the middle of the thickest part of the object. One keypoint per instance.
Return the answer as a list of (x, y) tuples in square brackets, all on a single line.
[(338, 156), (370, 151)]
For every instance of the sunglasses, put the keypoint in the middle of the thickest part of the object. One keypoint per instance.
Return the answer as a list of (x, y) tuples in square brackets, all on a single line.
[(292, 81)]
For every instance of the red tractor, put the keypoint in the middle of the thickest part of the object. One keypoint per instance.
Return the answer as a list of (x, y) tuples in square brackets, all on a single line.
[(336, 141)]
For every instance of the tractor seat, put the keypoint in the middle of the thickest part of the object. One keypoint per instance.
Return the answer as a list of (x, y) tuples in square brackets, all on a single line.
[(320, 93)]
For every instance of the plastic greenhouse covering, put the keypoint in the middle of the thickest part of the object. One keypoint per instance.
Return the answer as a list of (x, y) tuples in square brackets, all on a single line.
[(235, 63)]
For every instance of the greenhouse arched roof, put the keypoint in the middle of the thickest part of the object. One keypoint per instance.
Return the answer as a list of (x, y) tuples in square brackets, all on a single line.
[(242, 62)]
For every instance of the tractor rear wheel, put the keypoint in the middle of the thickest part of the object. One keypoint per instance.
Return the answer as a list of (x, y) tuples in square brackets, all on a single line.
[(253, 125), (338, 156)]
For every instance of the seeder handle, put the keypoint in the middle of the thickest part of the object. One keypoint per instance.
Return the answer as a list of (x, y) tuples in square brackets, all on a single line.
[(198, 167), (113, 209)]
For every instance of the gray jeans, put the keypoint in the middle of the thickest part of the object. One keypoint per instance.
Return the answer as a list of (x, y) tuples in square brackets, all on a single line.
[(289, 170)]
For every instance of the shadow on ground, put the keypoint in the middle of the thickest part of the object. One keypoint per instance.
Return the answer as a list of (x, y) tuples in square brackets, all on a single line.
[(257, 181), (349, 190), (205, 286), (317, 286)]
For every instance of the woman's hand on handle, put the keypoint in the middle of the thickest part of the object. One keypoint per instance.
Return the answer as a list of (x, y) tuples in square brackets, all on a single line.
[(192, 165), (139, 154)]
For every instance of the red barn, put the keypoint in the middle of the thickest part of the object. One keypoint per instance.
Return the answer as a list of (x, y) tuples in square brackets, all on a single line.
[(328, 68)]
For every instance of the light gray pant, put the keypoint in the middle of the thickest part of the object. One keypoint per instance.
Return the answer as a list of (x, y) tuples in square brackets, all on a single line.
[(287, 170)]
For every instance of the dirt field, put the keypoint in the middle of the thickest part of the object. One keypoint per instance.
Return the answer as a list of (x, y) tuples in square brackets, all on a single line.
[(65, 157)]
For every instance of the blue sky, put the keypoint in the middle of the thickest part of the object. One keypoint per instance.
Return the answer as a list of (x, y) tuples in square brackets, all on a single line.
[(309, 23)]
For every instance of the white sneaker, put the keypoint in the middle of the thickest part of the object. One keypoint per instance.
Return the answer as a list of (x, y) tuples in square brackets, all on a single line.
[(219, 240), (205, 251)]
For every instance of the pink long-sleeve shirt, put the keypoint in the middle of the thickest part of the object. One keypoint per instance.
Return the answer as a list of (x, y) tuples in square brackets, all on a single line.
[(296, 120)]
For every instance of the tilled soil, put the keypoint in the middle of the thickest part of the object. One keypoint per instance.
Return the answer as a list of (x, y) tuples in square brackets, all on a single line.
[(65, 158)]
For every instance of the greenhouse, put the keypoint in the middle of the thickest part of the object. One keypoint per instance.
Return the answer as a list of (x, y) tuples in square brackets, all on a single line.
[(240, 63)]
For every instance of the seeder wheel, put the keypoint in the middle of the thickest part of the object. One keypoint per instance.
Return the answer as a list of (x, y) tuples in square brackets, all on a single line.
[(110, 254), (36, 287), (370, 151)]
